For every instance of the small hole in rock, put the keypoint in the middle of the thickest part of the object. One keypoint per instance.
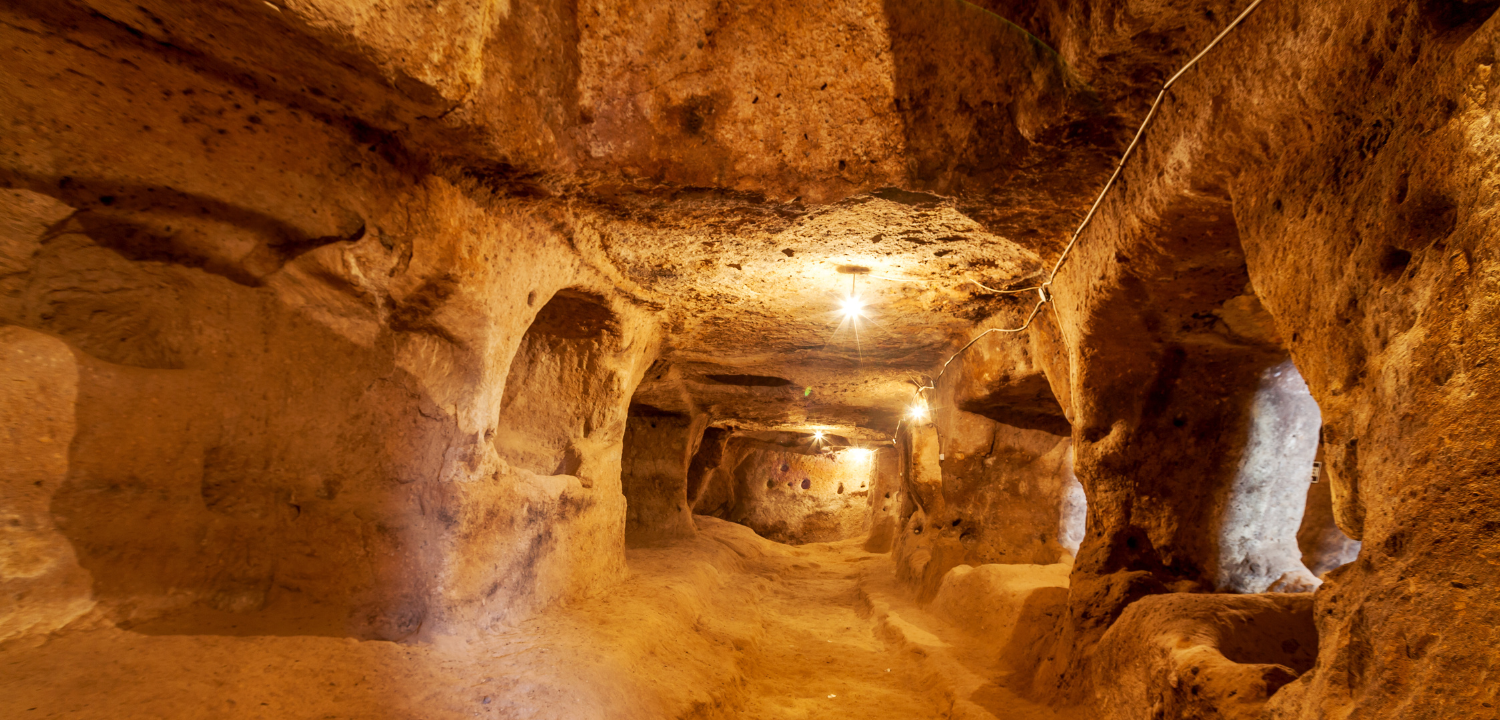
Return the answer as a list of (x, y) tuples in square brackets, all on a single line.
[(1394, 261)]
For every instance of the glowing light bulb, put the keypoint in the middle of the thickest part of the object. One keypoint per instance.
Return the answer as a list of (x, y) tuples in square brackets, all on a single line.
[(853, 306), (918, 411), (817, 436)]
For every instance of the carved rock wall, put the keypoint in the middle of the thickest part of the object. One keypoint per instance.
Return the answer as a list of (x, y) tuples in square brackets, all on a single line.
[(297, 361), (795, 495), (659, 447), (1001, 495)]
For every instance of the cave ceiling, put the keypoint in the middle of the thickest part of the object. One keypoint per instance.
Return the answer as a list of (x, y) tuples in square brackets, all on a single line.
[(738, 172)]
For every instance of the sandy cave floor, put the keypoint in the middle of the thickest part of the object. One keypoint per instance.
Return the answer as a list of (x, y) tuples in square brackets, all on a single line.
[(724, 625)]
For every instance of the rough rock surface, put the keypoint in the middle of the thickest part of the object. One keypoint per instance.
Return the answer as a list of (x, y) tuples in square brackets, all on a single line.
[(886, 498), (800, 494), (1203, 656), (322, 322), (40, 580), (1361, 240), (1003, 496), (658, 450)]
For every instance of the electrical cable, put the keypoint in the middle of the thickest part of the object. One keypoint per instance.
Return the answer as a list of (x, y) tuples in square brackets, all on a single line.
[(1041, 289), (987, 288)]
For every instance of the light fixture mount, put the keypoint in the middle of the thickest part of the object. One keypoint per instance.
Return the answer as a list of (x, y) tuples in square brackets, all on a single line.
[(852, 305)]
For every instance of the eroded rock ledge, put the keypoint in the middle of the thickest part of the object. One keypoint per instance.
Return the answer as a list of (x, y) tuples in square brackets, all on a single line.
[(433, 326)]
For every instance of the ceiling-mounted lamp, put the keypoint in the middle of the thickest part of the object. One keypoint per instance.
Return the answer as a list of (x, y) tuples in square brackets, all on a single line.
[(852, 305), (918, 411)]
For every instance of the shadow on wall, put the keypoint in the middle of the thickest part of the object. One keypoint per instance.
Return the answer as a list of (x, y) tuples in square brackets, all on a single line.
[(218, 469), (554, 405), (706, 464), (654, 469), (561, 427), (277, 460)]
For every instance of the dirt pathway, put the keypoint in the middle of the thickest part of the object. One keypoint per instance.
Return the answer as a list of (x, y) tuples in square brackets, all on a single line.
[(725, 626), (820, 658)]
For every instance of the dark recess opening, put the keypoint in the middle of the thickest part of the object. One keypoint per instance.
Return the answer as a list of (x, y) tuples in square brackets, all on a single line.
[(575, 316), (748, 380)]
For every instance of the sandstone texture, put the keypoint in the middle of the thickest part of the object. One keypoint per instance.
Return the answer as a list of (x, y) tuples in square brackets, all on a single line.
[(1203, 656), (578, 359), (44, 587), (808, 492), (658, 451)]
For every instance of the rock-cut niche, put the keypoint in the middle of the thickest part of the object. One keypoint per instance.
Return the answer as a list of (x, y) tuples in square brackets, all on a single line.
[(560, 390)]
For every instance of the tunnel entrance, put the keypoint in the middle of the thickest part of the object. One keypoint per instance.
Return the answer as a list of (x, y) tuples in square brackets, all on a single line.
[(792, 488)]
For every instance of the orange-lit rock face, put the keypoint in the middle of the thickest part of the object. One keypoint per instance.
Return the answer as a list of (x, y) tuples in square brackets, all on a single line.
[(39, 570), (809, 493), (657, 452), (1000, 495), (439, 323)]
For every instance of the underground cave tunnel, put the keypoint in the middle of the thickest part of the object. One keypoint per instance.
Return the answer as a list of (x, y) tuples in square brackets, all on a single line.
[(1112, 359)]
